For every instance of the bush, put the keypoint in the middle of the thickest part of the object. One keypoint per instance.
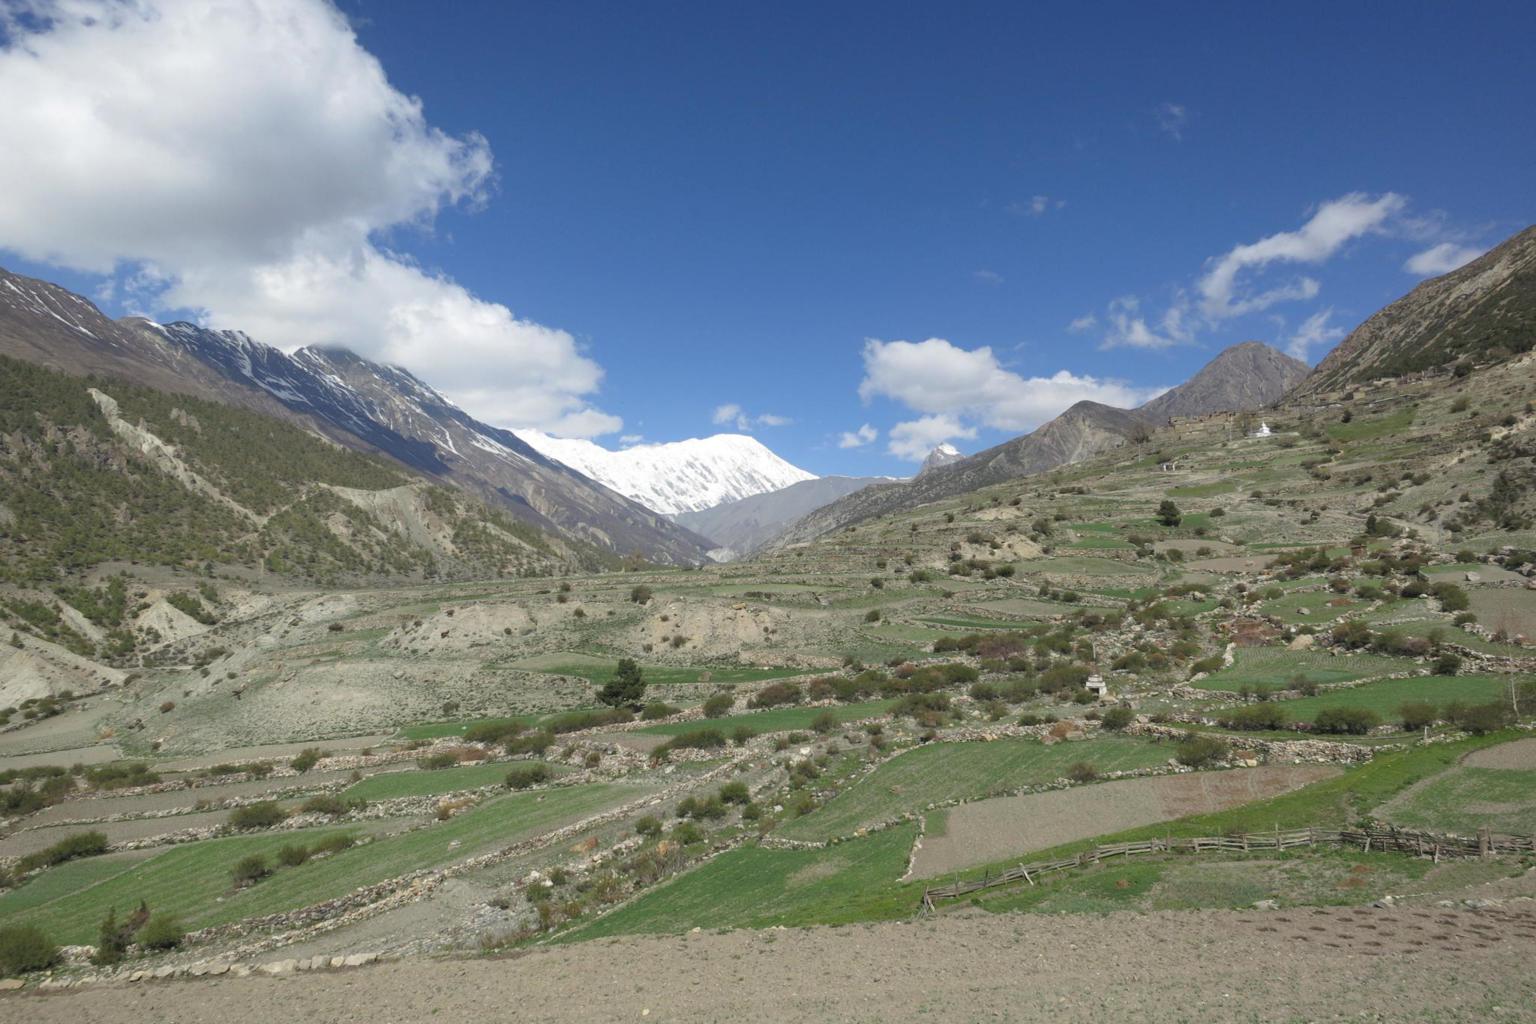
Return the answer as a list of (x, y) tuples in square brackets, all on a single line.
[(640, 594), (292, 855), (25, 948), (1417, 715), (1255, 717), (306, 760), (526, 775), (657, 709), (775, 694), (687, 834), (649, 826), (163, 931), (1196, 750), (334, 843), (1348, 721), (111, 940), (1480, 719), (250, 870), (873, 615), (626, 688), (699, 739), (718, 705), (265, 814), (1168, 514), (742, 734), (81, 844), (1447, 664), (735, 793), (576, 721), (1451, 597), (1082, 771), (493, 732), (824, 723), (1116, 719), (437, 762), (531, 742)]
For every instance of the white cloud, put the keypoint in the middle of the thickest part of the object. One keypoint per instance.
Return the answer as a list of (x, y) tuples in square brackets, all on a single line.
[(733, 415), (1171, 118), (1125, 325), (1222, 292), (987, 276), (1441, 259), (1086, 322), (866, 434), (914, 439), (242, 158), (1035, 206), (1315, 330), (937, 377), (630, 440)]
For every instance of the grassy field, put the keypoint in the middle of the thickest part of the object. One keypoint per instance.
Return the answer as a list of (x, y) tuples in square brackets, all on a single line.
[(1277, 666), (662, 675), (773, 719), (193, 881), (1387, 696), (439, 730), (1320, 607), (1467, 799), (753, 887), (952, 771), (416, 782)]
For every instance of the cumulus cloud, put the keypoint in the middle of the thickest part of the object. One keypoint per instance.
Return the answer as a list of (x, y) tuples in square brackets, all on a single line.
[(1171, 118), (914, 439), (1126, 325), (1441, 259), (937, 377), (243, 159), (1223, 292), (1315, 330), (1086, 322), (866, 434), (732, 415)]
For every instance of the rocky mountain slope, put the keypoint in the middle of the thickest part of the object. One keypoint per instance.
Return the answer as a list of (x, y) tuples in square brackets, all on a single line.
[(943, 455), (1484, 311), (678, 476), (744, 526), (359, 403), (1243, 377)]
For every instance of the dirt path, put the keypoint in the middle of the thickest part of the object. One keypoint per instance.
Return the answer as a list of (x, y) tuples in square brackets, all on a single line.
[(1406, 964), (990, 830)]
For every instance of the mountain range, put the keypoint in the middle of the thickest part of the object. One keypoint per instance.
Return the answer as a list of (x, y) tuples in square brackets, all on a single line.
[(742, 527), (678, 476)]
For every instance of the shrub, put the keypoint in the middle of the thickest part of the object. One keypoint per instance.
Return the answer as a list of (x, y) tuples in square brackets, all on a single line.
[(1417, 715), (824, 723), (649, 826), (334, 843), (873, 615), (1196, 750), (735, 793), (1168, 513), (292, 855), (640, 594), (718, 705), (1480, 719), (531, 742), (626, 688), (163, 931), (687, 834), (25, 948), (493, 732), (525, 775), (111, 940), (1255, 717), (306, 760), (1350, 721), (576, 721), (438, 761), (699, 739), (250, 870), (265, 814), (657, 709), (1082, 771), (81, 844), (775, 694), (1451, 597), (1447, 664), (1117, 718)]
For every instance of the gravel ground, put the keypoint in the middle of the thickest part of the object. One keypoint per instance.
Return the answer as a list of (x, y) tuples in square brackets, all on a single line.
[(990, 830), (1519, 755), (1404, 964)]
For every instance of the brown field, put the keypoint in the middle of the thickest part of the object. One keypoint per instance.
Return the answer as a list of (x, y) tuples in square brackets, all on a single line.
[(991, 830)]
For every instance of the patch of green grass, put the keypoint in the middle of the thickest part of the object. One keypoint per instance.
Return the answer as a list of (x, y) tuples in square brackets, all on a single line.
[(774, 719), (193, 881), (1369, 429), (417, 782), (754, 887), (663, 675), (952, 771), (1387, 696), (1466, 799), (963, 622), (1278, 666), (1203, 490), (439, 730), (1317, 605)]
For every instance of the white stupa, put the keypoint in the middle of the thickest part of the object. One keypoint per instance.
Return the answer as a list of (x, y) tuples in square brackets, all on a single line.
[(1263, 430)]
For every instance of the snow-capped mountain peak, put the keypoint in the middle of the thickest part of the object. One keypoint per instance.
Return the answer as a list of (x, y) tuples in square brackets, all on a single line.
[(943, 455), (677, 476)]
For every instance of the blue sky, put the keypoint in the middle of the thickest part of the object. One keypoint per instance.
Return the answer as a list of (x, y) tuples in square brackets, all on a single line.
[(813, 213)]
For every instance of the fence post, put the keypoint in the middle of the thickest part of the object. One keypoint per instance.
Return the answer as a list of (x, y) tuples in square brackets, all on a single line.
[(1484, 842)]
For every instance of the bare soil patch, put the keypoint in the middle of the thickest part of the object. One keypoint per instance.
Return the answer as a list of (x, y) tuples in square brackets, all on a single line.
[(1519, 756), (1406, 964), (990, 830)]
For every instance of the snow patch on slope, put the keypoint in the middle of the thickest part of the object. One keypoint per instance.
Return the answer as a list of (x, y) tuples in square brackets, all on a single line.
[(679, 476)]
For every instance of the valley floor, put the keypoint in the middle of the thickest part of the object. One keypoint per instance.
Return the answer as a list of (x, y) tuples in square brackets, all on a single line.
[(1407, 963)]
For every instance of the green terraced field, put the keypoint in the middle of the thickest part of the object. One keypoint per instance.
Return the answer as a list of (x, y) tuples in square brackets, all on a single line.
[(1277, 666), (774, 719), (1387, 696), (753, 887), (416, 782), (1465, 799), (952, 771), (193, 881)]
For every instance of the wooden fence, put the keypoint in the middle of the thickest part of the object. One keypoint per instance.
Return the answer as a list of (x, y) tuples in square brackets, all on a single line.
[(1418, 844)]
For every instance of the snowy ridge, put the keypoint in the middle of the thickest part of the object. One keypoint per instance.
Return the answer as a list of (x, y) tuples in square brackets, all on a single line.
[(679, 476)]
